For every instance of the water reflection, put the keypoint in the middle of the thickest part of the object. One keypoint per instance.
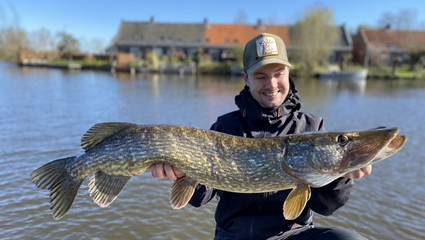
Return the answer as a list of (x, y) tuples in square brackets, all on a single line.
[(45, 113), (355, 85)]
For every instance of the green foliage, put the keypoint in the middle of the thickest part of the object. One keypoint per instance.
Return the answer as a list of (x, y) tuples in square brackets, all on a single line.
[(67, 43), (313, 37), (93, 62), (402, 72), (85, 62), (152, 60), (238, 53), (215, 67)]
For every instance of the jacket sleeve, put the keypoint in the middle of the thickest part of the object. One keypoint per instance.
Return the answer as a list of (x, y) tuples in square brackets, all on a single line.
[(327, 199), (202, 195)]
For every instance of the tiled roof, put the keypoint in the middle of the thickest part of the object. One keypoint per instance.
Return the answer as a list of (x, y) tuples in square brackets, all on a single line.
[(240, 34), (394, 38), (148, 33)]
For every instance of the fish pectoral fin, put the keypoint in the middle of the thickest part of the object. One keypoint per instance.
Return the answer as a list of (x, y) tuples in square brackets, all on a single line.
[(296, 201), (181, 192), (105, 188), (100, 131)]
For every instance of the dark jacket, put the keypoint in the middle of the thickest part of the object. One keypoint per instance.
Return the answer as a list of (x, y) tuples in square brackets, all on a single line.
[(259, 216)]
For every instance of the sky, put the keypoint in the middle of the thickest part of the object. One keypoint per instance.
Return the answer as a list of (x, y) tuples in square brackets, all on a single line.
[(94, 19)]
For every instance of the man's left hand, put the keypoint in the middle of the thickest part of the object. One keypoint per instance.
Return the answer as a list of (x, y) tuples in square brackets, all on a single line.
[(366, 171)]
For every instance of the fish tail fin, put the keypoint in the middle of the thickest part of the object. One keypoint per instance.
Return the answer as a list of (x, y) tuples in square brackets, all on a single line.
[(63, 187)]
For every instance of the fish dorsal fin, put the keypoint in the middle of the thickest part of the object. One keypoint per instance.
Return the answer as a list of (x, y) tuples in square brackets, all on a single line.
[(296, 201), (100, 131), (105, 188), (181, 192)]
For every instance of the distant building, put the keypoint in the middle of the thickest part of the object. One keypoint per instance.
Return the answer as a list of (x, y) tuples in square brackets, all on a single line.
[(221, 38), (383, 46), (165, 38), (343, 46), (217, 40)]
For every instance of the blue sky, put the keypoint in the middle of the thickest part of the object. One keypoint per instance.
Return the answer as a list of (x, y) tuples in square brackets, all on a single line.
[(95, 19)]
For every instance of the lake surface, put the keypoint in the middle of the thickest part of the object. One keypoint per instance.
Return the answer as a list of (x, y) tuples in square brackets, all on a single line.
[(45, 112)]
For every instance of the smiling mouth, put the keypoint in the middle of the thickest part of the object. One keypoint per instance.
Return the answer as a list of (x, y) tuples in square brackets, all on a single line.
[(271, 94)]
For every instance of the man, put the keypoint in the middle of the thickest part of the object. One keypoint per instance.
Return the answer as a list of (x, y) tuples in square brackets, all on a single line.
[(268, 107)]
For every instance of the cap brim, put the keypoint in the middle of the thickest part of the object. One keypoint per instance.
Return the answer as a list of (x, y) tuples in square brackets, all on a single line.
[(265, 62)]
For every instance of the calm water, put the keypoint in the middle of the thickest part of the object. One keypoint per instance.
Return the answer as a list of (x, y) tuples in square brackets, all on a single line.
[(45, 112)]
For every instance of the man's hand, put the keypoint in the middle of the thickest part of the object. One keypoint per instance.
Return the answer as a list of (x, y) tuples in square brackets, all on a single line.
[(366, 171), (165, 170)]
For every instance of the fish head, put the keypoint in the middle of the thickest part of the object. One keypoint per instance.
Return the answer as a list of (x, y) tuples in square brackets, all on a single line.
[(319, 158)]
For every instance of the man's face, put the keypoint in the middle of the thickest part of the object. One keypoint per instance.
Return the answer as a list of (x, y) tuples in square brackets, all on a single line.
[(269, 85)]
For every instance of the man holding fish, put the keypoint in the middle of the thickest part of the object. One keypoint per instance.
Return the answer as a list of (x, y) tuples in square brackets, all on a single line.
[(268, 107)]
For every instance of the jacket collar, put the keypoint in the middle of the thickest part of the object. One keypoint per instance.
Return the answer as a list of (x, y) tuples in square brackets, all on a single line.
[(251, 109)]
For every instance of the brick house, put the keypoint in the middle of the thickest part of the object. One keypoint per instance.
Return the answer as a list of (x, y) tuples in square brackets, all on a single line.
[(384, 46)]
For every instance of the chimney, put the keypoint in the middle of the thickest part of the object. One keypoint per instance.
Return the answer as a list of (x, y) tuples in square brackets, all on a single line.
[(152, 20), (206, 23), (387, 27), (260, 25)]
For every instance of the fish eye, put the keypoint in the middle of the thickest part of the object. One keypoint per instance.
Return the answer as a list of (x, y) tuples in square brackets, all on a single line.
[(342, 140)]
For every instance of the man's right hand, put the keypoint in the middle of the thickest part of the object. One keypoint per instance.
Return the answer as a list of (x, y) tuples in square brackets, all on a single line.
[(165, 170)]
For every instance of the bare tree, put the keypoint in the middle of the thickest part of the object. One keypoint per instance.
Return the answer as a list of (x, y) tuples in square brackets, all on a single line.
[(404, 19), (404, 22), (12, 41), (92, 45), (273, 19), (241, 17), (42, 40), (313, 38), (13, 38), (97, 45)]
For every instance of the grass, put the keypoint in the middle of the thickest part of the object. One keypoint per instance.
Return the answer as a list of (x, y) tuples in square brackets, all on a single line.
[(382, 72), (86, 62), (402, 72)]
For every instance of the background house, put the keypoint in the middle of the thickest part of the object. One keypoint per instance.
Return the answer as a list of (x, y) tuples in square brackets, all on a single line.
[(168, 39), (215, 40), (220, 39), (342, 48), (386, 46)]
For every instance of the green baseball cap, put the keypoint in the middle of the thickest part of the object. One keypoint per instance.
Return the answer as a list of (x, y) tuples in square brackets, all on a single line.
[(262, 50)]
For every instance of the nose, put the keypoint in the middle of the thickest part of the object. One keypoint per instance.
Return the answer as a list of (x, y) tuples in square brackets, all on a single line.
[(272, 83)]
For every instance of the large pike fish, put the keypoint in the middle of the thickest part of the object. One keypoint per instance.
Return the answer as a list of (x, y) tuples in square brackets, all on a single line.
[(114, 152)]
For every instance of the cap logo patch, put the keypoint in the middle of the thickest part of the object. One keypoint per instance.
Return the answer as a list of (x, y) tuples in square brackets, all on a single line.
[(266, 46)]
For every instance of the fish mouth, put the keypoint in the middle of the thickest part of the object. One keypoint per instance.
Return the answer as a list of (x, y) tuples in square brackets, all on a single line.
[(372, 146), (392, 147)]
